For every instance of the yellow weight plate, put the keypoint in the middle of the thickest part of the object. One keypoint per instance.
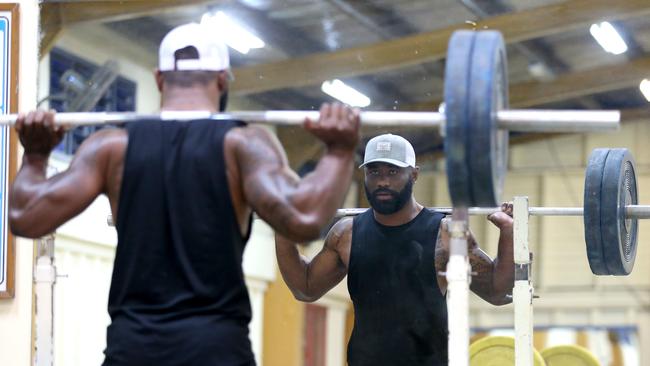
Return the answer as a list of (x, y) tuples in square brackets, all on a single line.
[(569, 355), (497, 351)]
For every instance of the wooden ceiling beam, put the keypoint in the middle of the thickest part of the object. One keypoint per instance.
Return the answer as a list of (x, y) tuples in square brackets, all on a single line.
[(430, 46), (569, 86), (106, 11), (51, 27), (55, 16), (581, 83)]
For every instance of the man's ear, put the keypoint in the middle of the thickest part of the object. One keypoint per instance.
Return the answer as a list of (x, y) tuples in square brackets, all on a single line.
[(222, 81), (415, 172), (160, 79)]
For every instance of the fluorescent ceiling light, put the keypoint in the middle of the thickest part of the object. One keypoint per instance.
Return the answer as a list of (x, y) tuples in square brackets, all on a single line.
[(345, 93), (608, 38), (234, 34), (645, 89), (540, 71)]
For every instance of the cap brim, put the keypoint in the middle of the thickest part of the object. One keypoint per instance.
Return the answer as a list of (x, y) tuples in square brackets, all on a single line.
[(398, 163)]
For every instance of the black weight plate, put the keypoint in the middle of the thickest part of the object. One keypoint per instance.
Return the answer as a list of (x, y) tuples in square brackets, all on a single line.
[(488, 145), (592, 207), (457, 86), (619, 234)]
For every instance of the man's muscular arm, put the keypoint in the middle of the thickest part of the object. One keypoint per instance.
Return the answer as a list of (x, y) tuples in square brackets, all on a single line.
[(299, 208), (491, 280), (37, 205), (309, 280)]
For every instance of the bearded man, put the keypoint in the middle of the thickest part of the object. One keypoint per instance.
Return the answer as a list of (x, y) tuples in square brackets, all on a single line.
[(393, 255)]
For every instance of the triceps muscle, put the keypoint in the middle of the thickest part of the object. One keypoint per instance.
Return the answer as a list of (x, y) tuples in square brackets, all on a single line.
[(267, 179)]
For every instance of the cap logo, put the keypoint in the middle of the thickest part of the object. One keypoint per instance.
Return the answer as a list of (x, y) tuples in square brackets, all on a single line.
[(383, 146)]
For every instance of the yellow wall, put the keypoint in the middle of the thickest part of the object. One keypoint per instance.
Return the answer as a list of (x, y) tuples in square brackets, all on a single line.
[(283, 326), (349, 325)]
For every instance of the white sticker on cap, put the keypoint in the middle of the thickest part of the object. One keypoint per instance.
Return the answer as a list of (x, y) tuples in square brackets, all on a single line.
[(383, 146)]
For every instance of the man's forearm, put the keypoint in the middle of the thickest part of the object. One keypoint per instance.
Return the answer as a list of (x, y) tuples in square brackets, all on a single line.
[(322, 192), (504, 264), (31, 173), (292, 267), (24, 190)]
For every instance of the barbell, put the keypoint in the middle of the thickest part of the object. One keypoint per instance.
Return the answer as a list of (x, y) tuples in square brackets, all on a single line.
[(610, 212), (475, 120)]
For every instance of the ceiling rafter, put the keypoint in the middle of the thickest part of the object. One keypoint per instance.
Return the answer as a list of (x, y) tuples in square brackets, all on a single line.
[(56, 15), (430, 46), (581, 83), (568, 86)]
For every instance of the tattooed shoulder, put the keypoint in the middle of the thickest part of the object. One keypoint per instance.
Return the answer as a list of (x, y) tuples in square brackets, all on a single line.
[(340, 233)]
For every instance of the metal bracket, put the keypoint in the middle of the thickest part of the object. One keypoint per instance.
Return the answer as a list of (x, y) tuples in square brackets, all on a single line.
[(522, 272)]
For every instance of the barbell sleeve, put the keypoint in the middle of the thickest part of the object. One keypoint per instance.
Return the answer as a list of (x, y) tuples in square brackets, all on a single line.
[(528, 120), (637, 211), (512, 120)]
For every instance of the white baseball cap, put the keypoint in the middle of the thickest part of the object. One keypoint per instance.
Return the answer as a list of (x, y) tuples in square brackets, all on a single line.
[(391, 149), (213, 51)]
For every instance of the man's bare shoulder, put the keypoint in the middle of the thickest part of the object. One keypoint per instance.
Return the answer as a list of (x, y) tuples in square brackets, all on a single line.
[(104, 143), (340, 234), (254, 142), (250, 133), (443, 236), (343, 226), (110, 133)]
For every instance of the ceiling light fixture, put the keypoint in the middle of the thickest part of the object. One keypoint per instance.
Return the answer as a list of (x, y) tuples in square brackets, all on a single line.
[(645, 88), (345, 93), (608, 38)]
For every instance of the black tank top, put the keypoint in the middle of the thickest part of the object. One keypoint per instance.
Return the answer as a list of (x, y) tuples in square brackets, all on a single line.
[(177, 294), (400, 316)]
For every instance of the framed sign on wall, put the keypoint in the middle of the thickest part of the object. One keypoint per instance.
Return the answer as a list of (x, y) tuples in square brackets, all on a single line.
[(9, 42)]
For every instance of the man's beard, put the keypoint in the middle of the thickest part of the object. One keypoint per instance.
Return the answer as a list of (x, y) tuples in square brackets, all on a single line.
[(392, 205)]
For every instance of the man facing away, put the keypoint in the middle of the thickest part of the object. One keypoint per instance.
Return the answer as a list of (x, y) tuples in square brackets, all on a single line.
[(182, 195), (393, 255)]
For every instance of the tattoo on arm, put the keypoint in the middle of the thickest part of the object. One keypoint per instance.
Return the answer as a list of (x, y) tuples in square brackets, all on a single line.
[(441, 256), (483, 272), (339, 232), (327, 268), (482, 266)]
